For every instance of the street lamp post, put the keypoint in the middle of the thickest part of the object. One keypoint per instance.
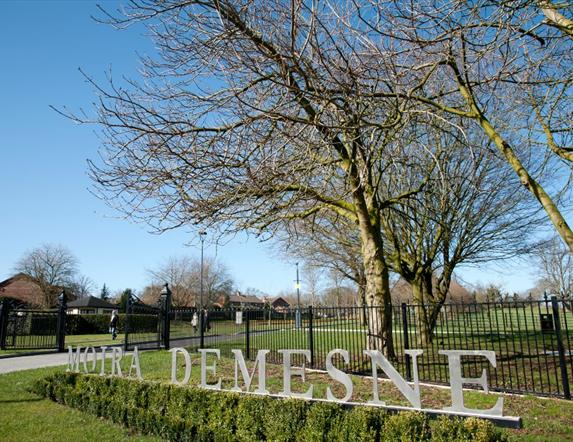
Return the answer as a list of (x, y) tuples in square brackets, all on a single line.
[(202, 235), (297, 314)]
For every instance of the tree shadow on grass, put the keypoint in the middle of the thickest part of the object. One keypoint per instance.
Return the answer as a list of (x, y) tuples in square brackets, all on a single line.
[(14, 401)]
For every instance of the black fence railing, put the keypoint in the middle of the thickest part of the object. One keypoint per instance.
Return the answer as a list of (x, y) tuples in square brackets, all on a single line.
[(532, 340), (30, 329), (142, 327)]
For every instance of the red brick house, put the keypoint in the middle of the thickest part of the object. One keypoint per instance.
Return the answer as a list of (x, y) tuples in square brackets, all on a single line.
[(279, 304), (23, 289)]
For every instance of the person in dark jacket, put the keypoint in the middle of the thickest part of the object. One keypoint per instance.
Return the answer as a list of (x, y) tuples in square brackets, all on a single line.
[(113, 324)]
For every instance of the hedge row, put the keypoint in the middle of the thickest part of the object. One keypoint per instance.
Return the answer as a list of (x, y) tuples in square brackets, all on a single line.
[(34, 324), (96, 324), (188, 413)]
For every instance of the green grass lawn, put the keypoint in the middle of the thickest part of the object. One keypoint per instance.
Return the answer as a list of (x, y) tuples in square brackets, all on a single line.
[(24, 416)]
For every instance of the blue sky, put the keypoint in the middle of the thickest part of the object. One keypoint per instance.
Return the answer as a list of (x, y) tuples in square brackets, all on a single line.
[(43, 182)]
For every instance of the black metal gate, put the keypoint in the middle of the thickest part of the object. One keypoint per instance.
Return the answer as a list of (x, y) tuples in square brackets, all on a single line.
[(29, 329), (146, 326), (142, 326)]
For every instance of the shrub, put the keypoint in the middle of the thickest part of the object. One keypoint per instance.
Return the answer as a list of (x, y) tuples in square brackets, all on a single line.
[(192, 414), (446, 428), (99, 324), (406, 427)]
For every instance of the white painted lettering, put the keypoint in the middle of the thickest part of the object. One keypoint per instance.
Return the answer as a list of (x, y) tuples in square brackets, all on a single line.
[(74, 361), (103, 356), (187, 358), (135, 364), (211, 368), (289, 371), (411, 394), (116, 356), (338, 375), (260, 361), (457, 381), (94, 359)]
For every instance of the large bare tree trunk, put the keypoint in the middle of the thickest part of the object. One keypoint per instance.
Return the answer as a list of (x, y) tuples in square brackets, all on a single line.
[(363, 302), (377, 294), (420, 301), (429, 303)]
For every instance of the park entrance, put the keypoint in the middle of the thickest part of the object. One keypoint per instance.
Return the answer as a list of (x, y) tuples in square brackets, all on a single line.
[(533, 340)]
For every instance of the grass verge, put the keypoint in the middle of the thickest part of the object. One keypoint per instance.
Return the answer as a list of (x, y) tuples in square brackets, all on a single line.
[(24, 416)]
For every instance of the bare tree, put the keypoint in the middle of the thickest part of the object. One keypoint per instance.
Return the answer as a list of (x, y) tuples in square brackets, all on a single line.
[(505, 66), (556, 268), (466, 214), (217, 282), (339, 295), (331, 243), (253, 115), (82, 286), (52, 267), (183, 274), (178, 273), (311, 277)]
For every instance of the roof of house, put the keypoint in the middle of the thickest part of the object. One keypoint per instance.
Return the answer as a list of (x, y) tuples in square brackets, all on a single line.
[(245, 299), (22, 288), (279, 300), (91, 301)]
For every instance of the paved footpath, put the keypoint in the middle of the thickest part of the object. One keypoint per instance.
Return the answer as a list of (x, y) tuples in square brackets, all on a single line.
[(18, 363)]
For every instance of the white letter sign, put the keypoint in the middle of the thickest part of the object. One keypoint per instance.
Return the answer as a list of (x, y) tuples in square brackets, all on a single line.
[(338, 375), (412, 394), (212, 368), (248, 379), (289, 372), (187, 359), (457, 381)]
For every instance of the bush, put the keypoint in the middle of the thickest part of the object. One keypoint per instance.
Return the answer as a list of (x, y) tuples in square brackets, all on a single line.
[(189, 413), (406, 427), (471, 429), (99, 324)]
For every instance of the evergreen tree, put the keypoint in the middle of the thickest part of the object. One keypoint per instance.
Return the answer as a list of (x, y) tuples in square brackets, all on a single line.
[(104, 293)]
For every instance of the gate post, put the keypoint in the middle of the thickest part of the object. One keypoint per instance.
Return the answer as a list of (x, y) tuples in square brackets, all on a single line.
[(128, 306), (560, 349), (61, 327), (247, 334), (406, 340), (310, 336), (165, 313), (202, 326), (4, 307)]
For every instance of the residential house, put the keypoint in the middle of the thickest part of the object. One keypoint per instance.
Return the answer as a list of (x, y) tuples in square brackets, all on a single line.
[(240, 301), (90, 305), (22, 289), (279, 304)]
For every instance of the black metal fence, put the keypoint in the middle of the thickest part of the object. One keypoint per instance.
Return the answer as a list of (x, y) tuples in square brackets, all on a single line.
[(532, 340), (29, 329)]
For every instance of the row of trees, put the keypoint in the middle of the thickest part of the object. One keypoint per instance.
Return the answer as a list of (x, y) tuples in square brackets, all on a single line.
[(55, 268), (183, 274), (411, 128)]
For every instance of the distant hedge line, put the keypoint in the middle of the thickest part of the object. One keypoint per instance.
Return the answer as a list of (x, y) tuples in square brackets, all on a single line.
[(191, 414), (95, 324)]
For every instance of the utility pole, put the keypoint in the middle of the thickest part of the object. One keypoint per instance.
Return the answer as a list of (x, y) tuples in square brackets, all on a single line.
[(202, 235), (297, 314)]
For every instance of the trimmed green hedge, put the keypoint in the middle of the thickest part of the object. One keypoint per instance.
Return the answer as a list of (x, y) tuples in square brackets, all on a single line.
[(98, 324), (189, 413)]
